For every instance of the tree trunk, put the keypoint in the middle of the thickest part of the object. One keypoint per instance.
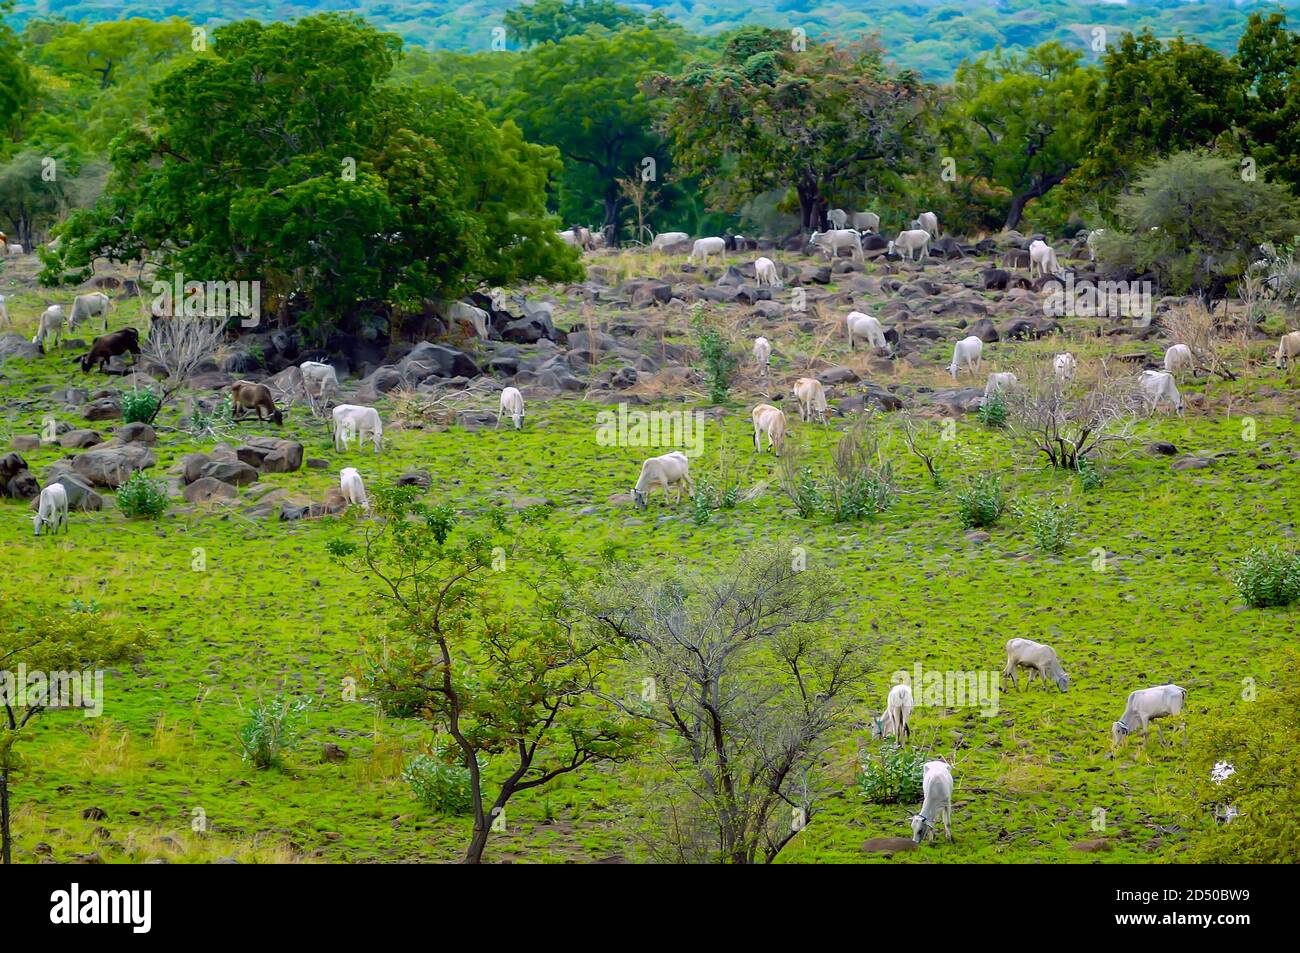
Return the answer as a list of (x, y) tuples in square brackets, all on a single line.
[(4, 817), (611, 207), (1040, 188), (478, 843)]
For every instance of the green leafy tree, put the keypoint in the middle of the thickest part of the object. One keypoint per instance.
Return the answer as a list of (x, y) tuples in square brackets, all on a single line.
[(66, 647), (583, 95), (1268, 56), (1018, 122), (1155, 99), (808, 121), (18, 90), (479, 646), (552, 20), (285, 157), (1257, 739), (1183, 223)]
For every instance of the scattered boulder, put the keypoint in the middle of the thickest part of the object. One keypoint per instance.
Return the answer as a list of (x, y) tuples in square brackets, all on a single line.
[(106, 408), (79, 439), (888, 846), (109, 465), (207, 488), (136, 432), (26, 441), (271, 454), (234, 472), (420, 478)]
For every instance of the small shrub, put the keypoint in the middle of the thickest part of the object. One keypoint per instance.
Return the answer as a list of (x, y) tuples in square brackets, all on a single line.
[(981, 503), (704, 502), (804, 492), (140, 406), (859, 495), (1269, 576), (142, 496), (439, 785), (891, 775), (1052, 525), (719, 360), (1090, 477), (993, 412), (272, 729)]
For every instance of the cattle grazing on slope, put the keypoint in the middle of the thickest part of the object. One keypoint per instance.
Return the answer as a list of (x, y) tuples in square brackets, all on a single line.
[(354, 422), (250, 395), (670, 469), (110, 345)]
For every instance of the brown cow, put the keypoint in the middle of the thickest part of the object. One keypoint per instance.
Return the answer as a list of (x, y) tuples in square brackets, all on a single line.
[(111, 345), (250, 395)]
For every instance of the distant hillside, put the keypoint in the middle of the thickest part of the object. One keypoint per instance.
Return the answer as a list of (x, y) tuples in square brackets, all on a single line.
[(932, 36)]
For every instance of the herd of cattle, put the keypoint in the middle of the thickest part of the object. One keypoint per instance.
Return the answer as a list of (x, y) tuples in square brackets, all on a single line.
[(671, 471)]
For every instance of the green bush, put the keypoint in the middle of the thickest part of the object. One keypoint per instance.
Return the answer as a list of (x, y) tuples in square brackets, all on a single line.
[(719, 360), (140, 406), (891, 775), (993, 412), (438, 785), (141, 496), (1090, 477), (1052, 524), (704, 501), (980, 503), (1269, 576), (272, 729), (856, 496)]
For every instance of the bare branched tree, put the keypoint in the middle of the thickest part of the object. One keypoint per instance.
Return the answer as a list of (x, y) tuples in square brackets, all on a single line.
[(1069, 423), (1211, 341), (748, 681), (180, 346)]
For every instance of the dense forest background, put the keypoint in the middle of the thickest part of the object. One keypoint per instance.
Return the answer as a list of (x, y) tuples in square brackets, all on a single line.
[(929, 36)]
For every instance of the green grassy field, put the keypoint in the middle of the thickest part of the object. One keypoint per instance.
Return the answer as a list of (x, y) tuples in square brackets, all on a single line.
[(270, 613)]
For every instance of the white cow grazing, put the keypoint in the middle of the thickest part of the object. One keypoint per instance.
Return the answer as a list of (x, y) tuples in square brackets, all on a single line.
[(929, 222), (1039, 659), (830, 243), (1063, 366), (838, 217), (318, 381), (1091, 241), (1178, 358), (671, 469), (811, 397), (1042, 257), (579, 238), (893, 721), (909, 243), (967, 352), (704, 247), (512, 406), (865, 221), (936, 788), (666, 240), (864, 327), (354, 491), (52, 509), (1288, 349), (765, 273), (1158, 387), (771, 421), (4, 312), (85, 307), (999, 381), (1146, 705), (13, 251), (354, 421), (50, 326), (762, 353)]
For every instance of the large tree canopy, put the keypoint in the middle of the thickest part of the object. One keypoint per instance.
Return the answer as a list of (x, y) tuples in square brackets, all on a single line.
[(1155, 99), (583, 95), (1018, 122), (285, 158), (776, 114), (545, 21)]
